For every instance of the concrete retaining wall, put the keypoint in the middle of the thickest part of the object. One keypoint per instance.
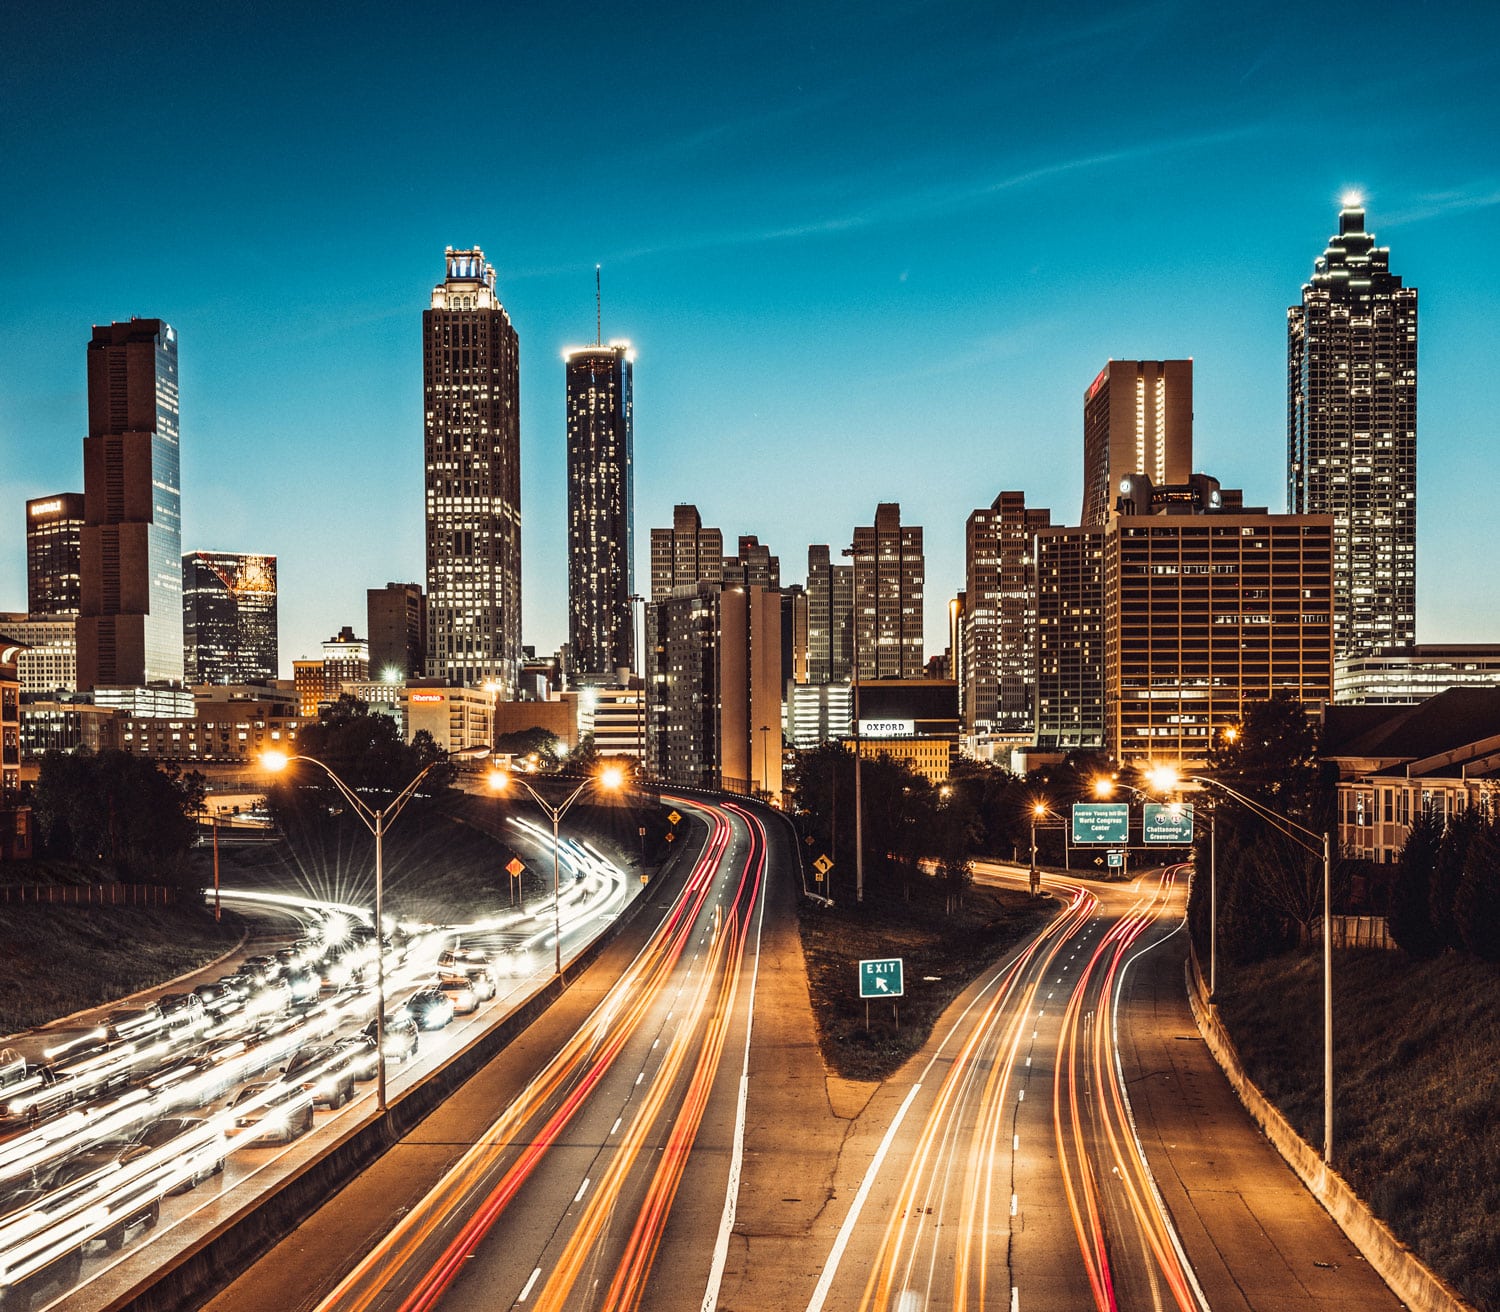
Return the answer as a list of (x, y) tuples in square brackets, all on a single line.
[(187, 1279), (1415, 1284)]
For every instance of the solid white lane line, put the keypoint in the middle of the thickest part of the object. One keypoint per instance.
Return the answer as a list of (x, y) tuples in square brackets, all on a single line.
[(582, 1189), (1015, 1203), (535, 1276), (640, 1077), (1022, 1097), (1015, 1143), (830, 1268), (616, 1126)]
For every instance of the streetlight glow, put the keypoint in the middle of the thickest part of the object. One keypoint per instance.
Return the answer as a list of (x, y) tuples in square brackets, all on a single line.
[(275, 761), (1162, 778), (1104, 787)]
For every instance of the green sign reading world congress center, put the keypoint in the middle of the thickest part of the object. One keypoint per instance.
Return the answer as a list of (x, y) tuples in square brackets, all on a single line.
[(1101, 822)]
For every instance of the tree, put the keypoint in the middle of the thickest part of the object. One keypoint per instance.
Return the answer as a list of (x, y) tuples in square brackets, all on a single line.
[(1448, 871), (1410, 917), (119, 812), (1476, 904), (541, 743)]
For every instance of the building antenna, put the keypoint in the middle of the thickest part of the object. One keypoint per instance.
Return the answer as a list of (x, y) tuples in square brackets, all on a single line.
[(598, 311)]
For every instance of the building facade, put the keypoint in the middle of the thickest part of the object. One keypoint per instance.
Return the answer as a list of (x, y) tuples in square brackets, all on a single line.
[(396, 620), (686, 554), (1137, 419), (130, 576), (601, 509), (1207, 611), (229, 632), (48, 662), (472, 447), (830, 617), (998, 617), (1403, 676), (889, 579), (54, 553), (1352, 432), (1069, 639), (753, 565)]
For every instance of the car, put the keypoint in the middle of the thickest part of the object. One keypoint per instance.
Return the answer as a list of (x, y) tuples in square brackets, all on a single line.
[(324, 1073), (262, 969), (431, 1008), (461, 991), (134, 1024), (483, 982), (473, 962), (359, 1052), (304, 984), (240, 983), (401, 1035), (268, 1109), (201, 1148), (271, 998), (219, 1000), (135, 1201), (52, 1267)]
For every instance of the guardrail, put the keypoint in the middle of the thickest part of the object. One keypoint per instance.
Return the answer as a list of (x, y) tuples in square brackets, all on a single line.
[(158, 895)]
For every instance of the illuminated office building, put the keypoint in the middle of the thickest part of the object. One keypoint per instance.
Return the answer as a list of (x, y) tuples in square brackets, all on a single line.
[(228, 617), (130, 577), (601, 509), (889, 575), (54, 551), (830, 617), (472, 447), (1137, 419), (397, 620), (1352, 432), (685, 554)]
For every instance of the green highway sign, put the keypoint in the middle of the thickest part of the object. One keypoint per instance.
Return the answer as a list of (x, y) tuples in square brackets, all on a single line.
[(1101, 822), (881, 978), (1168, 822), (1116, 859)]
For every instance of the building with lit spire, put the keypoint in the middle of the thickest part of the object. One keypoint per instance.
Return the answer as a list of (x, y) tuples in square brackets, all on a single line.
[(1352, 432)]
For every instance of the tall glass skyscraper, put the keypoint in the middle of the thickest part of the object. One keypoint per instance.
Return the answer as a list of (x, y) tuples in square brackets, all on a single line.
[(601, 509), (472, 394), (1352, 432), (130, 603), (228, 617)]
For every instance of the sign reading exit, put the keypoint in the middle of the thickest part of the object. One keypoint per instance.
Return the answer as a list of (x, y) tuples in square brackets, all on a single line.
[(881, 978)]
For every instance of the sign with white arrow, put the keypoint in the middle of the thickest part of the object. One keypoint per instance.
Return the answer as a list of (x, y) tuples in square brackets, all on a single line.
[(881, 978)]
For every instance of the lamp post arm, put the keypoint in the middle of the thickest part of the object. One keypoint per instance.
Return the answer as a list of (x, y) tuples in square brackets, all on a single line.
[(1308, 839), (361, 807), (392, 809)]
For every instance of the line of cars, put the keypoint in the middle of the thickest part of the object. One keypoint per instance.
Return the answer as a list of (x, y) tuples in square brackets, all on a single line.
[(259, 1036)]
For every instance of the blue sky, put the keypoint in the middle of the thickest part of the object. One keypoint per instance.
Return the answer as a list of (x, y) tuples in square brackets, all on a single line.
[(865, 252)]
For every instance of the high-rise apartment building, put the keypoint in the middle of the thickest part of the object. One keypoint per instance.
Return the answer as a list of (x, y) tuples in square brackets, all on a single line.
[(229, 630), (601, 509), (54, 553), (830, 617), (396, 618), (999, 625), (889, 575), (130, 586), (753, 566), (1137, 419), (685, 554), (346, 660), (1209, 606), (1352, 432), (472, 439), (1069, 638)]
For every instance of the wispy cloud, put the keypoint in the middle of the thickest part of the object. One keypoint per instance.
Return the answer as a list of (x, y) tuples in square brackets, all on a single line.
[(1460, 200)]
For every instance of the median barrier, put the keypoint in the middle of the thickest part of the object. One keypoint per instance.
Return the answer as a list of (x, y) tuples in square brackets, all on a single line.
[(189, 1277), (1412, 1281)]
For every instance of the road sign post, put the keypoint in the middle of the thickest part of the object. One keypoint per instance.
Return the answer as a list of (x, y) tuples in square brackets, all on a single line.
[(515, 869), (882, 977)]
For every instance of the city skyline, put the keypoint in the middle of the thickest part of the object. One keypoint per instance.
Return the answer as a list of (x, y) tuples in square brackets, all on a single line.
[(915, 288)]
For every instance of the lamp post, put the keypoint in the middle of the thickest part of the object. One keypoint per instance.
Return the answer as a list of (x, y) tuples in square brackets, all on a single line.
[(859, 810), (611, 778), (765, 782), (1317, 844), (1034, 882), (376, 820)]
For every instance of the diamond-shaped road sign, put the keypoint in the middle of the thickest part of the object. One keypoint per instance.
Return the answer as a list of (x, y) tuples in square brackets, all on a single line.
[(673, 817), (822, 865), (515, 867)]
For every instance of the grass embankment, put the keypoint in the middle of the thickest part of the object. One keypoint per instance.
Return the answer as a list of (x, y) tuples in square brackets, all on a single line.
[(55, 960), (1417, 1094), (942, 953)]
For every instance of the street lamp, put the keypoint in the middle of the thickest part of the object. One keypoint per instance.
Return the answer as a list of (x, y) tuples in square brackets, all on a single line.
[(1034, 883), (1164, 778), (611, 778), (376, 820), (859, 809)]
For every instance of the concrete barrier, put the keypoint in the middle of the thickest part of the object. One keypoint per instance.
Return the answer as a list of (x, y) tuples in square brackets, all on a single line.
[(188, 1278), (1412, 1281)]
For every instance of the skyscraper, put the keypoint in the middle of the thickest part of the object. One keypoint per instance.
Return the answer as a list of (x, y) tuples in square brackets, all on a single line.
[(1137, 419), (999, 621), (1070, 638), (889, 575), (228, 617), (1352, 432), (685, 554), (472, 393), (54, 553), (601, 509), (397, 619), (130, 586), (830, 617), (753, 565)]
